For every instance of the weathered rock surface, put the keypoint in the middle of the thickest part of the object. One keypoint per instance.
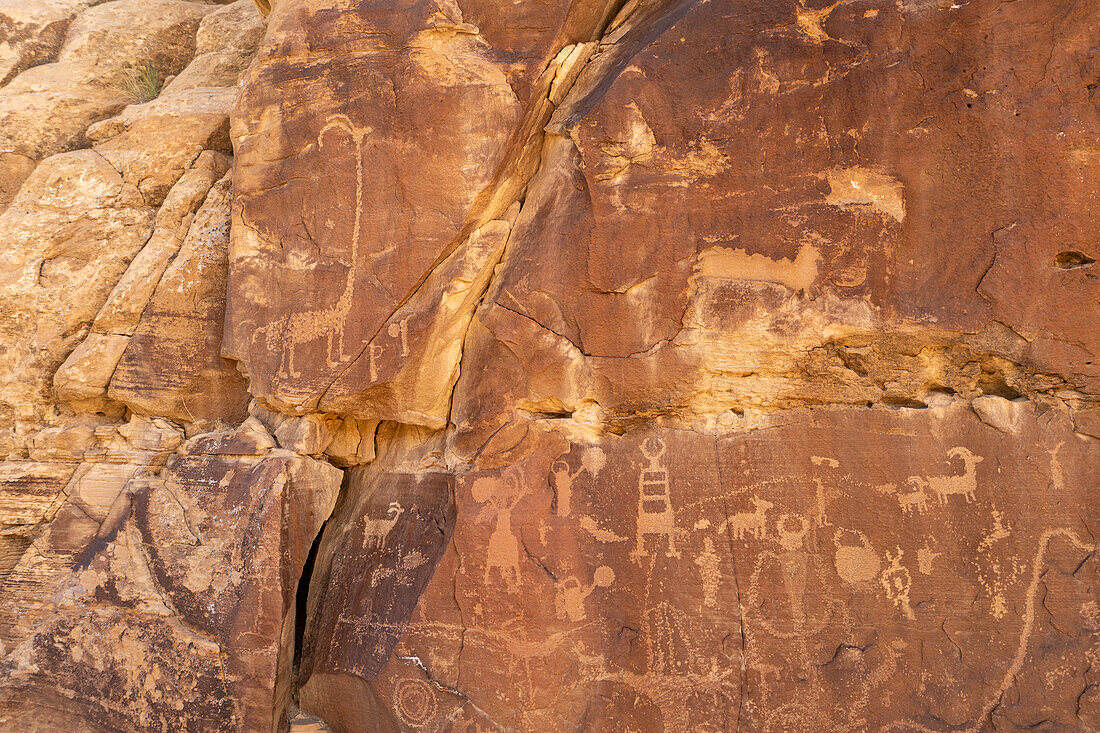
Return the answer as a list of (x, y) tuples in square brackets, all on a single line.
[(172, 366), (144, 587), (572, 365)]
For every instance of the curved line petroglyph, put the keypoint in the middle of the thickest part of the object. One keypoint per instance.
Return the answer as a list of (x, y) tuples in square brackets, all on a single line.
[(1026, 631)]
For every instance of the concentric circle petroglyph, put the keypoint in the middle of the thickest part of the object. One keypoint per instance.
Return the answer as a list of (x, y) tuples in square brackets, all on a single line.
[(414, 701)]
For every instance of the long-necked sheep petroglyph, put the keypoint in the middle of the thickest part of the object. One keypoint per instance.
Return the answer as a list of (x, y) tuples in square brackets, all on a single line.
[(289, 332)]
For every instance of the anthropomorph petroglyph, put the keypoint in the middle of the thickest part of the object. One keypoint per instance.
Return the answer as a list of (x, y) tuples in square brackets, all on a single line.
[(401, 329), (592, 460), (289, 332), (571, 594), (822, 494), (375, 530), (502, 551), (655, 513), (897, 582), (789, 587), (710, 571)]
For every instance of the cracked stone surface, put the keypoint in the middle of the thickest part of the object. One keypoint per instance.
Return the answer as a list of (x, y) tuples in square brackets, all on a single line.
[(571, 365)]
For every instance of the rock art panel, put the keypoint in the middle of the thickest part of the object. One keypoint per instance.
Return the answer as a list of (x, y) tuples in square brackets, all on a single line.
[(428, 133), (770, 577), (691, 366), (373, 563), (789, 242)]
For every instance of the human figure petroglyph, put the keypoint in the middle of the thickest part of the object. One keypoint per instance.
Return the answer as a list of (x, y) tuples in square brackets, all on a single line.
[(754, 522), (400, 329), (897, 581), (822, 518), (797, 570), (502, 551), (374, 353), (571, 595), (375, 530), (791, 600), (287, 333), (563, 482), (655, 513), (822, 493), (964, 484), (710, 571), (1057, 473)]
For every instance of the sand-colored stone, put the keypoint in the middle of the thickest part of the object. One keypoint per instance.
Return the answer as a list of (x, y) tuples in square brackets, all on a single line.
[(46, 109), (32, 31), (69, 236), (172, 366)]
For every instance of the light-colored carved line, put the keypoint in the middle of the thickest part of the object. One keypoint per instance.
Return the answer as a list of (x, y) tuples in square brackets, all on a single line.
[(1025, 635)]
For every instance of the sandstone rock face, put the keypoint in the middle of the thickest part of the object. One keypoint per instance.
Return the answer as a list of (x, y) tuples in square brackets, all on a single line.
[(159, 597), (573, 365)]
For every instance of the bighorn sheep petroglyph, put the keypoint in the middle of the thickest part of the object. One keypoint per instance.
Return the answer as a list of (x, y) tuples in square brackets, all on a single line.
[(375, 530), (754, 521)]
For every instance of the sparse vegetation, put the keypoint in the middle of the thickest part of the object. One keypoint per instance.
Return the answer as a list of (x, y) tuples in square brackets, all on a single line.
[(141, 83)]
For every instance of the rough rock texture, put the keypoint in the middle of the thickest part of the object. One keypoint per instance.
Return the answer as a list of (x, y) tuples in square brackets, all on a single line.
[(586, 365), (136, 610)]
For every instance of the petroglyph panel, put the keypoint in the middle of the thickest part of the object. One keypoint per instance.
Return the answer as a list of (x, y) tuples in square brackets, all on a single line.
[(779, 582)]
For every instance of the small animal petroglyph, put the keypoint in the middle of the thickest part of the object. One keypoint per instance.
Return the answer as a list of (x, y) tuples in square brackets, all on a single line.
[(754, 522), (917, 499), (375, 530)]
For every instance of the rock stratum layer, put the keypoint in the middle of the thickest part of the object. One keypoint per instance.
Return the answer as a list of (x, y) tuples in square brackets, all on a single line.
[(587, 365)]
